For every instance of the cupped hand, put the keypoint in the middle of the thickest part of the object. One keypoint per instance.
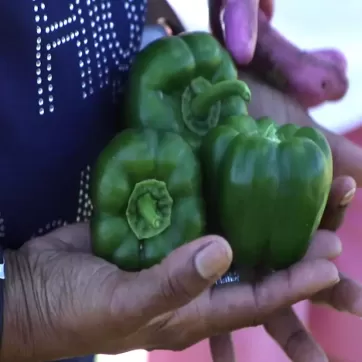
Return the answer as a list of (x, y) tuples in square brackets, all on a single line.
[(283, 325), (61, 301)]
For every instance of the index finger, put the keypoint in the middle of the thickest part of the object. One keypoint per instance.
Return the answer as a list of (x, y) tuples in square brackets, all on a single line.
[(230, 307)]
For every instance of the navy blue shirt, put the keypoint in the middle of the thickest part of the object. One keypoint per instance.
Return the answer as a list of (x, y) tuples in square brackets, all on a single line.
[(63, 64)]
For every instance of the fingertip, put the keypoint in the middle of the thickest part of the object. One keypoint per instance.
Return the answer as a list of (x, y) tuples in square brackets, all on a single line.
[(332, 243), (241, 28), (342, 191), (306, 278), (326, 273), (325, 245), (214, 259), (241, 48), (185, 273), (348, 197), (338, 248), (241, 55)]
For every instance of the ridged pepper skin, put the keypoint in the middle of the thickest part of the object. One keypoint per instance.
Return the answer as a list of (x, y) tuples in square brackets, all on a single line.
[(267, 187), (146, 203), (184, 84)]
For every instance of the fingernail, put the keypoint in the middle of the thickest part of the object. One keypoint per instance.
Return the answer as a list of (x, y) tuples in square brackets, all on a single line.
[(347, 198), (214, 260)]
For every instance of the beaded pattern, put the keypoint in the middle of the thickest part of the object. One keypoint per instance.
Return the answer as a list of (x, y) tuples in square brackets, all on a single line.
[(92, 32), (86, 26)]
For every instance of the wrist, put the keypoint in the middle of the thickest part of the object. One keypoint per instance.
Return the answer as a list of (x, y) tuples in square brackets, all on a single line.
[(17, 338), (28, 335), (34, 328)]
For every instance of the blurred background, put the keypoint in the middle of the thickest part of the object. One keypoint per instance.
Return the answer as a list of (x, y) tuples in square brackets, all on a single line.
[(309, 24)]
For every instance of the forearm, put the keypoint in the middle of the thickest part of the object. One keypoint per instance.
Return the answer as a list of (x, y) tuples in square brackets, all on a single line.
[(25, 331), (17, 332)]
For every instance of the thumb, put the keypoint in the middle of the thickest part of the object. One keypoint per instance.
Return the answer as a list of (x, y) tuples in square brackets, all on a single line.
[(241, 28), (182, 276)]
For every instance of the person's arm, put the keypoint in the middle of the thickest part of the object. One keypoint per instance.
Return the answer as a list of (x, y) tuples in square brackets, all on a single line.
[(18, 333), (61, 301)]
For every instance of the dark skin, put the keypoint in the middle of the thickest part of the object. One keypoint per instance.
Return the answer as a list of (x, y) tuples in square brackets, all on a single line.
[(283, 325), (292, 336), (61, 301)]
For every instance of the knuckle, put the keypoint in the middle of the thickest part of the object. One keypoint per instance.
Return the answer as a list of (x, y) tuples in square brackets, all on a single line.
[(261, 300), (168, 332), (295, 343), (174, 288)]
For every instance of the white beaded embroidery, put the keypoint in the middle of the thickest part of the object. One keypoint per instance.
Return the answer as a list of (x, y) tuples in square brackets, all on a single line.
[(84, 211), (49, 227), (109, 53)]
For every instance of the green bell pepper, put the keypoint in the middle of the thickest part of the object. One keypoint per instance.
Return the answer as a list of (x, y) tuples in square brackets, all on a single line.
[(184, 84), (145, 201), (267, 186)]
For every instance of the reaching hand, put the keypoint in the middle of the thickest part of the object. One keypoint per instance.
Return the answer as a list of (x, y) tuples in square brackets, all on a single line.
[(311, 77), (240, 20), (241, 26)]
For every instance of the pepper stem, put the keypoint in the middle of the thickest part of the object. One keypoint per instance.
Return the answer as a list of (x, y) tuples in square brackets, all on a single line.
[(147, 209), (202, 102)]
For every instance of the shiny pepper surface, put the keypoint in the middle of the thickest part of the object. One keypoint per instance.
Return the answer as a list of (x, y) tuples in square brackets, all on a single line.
[(185, 84), (146, 196), (268, 186)]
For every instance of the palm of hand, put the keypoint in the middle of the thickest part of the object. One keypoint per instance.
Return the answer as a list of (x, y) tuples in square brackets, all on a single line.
[(90, 306), (284, 326), (79, 294), (216, 310)]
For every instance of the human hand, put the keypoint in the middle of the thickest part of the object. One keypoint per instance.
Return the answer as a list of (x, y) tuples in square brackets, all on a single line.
[(347, 159), (61, 301), (240, 23), (267, 100), (311, 77), (284, 326)]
